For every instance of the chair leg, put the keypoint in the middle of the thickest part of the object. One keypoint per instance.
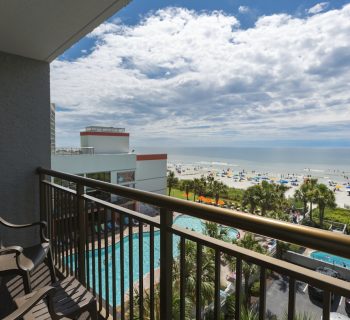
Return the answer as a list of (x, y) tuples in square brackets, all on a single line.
[(93, 311), (26, 282), (51, 266)]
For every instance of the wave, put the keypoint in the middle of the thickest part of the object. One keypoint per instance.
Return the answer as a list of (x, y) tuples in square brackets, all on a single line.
[(313, 170), (217, 163)]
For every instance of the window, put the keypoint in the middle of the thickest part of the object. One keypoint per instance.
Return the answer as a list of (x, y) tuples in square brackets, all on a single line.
[(126, 176), (101, 176)]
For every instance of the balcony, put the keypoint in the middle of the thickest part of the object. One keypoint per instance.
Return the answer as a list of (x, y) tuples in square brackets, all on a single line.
[(72, 151), (126, 259)]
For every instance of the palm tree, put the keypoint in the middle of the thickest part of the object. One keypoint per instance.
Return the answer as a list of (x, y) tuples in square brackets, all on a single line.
[(187, 186), (249, 314), (147, 303), (251, 197), (172, 181), (209, 183), (279, 215), (312, 183), (248, 269), (218, 188), (281, 202), (302, 195), (267, 197), (324, 198), (212, 229), (208, 274), (156, 304), (198, 187)]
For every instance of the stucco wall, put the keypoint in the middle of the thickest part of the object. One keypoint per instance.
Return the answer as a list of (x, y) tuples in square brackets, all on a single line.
[(106, 144), (151, 175), (85, 163), (24, 138)]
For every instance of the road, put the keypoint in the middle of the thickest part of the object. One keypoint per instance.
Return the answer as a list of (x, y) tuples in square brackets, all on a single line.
[(277, 300)]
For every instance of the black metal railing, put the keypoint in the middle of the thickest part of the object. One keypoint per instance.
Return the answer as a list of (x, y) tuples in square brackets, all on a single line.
[(110, 248)]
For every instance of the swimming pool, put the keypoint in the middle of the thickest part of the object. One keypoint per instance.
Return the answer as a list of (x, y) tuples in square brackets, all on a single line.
[(181, 221), (197, 225), (136, 271), (330, 258)]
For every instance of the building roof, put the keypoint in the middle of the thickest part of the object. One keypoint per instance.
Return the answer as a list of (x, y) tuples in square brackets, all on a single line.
[(44, 29)]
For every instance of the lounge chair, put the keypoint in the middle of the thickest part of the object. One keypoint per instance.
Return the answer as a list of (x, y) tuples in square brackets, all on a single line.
[(113, 226), (66, 299), (22, 261)]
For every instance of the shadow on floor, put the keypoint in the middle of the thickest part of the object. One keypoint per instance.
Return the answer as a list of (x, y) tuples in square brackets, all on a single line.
[(12, 287)]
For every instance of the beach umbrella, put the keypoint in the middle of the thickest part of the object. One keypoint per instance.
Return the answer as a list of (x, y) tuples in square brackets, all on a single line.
[(347, 187), (338, 186)]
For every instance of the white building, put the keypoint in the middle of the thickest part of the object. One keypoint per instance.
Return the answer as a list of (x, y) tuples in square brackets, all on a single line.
[(104, 155)]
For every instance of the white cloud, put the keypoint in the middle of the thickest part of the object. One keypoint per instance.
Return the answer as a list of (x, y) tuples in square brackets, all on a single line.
[(243, 9), (193, 77), (319, 7)]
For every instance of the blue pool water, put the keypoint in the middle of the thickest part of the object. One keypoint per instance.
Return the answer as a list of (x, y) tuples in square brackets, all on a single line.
[(330, 258), (136, 271), (181, 221), (197, 225)]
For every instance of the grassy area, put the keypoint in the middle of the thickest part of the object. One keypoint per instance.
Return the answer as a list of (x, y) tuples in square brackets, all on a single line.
[(234, 195), (176, 193), (337, 215)]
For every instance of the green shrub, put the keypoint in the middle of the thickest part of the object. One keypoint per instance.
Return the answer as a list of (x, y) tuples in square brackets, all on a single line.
[(336, 215), (255, 289)]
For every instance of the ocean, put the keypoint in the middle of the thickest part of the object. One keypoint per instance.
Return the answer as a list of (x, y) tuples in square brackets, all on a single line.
[(323, 163)]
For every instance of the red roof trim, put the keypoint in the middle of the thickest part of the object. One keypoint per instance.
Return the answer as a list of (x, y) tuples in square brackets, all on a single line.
[(110, 134), (143, 157)]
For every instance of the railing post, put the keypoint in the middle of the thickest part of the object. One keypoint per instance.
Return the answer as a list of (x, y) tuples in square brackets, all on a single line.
[(43, 200), (82, 235), (166, 263)]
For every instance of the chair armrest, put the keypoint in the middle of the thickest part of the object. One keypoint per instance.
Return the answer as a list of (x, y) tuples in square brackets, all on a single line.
[(42, 224), (12, 249), (31, 302), (19, 226)]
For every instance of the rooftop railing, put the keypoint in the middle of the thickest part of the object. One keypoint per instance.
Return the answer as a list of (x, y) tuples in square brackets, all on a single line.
[(73, 150), (110, 249), (104, 129)]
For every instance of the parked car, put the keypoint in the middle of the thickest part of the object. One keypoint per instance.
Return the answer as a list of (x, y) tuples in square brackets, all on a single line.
[(317, 293)]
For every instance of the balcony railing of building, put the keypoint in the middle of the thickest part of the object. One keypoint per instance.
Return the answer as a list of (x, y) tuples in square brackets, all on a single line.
[(109, 252), (104, 129), (74, 150)]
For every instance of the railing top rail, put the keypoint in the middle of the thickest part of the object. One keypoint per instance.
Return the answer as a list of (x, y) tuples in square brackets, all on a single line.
[(311, 277), (305, 236)]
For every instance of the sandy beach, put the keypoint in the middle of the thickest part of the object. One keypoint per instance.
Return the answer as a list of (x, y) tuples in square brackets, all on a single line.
[(251, 177)]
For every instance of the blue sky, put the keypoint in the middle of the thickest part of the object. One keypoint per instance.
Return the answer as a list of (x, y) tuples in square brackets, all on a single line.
[(226, 73)]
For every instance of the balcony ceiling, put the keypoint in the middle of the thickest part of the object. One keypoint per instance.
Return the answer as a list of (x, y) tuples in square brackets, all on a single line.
[(44, 29)]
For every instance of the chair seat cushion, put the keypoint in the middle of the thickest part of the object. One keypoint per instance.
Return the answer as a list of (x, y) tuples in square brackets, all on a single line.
[(70, 300)]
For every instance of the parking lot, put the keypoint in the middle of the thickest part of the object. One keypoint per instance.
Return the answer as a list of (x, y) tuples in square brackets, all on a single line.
[(277, 300)]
